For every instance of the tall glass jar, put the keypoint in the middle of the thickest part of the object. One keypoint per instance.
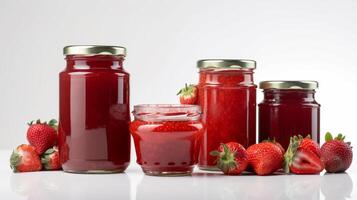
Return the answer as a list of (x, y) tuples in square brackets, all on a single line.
[(94, 112), (227, 95), (289, 108)]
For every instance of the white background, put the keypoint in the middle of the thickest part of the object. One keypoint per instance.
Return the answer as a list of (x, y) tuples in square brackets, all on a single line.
[(306, 39)]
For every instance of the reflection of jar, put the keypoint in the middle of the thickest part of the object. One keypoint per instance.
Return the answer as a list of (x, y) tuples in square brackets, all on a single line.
[(227, 95), (166, 137), (289, 108), (94, 110)]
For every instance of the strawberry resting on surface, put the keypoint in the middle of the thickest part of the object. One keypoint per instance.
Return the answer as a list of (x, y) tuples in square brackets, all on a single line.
[(265, 158), (232, 158), (50, 159), (302, 156), (42, 135), (25, 159), (336, 154), (188, 94)]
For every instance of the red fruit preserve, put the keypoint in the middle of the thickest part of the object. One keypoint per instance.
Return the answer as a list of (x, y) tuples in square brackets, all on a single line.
[(289, 108), (227, 95), (166, 138), (94, 113)]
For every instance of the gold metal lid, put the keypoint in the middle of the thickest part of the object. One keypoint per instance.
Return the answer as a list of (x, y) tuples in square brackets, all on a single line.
[(303, 85), (227, 63), (94, 50)]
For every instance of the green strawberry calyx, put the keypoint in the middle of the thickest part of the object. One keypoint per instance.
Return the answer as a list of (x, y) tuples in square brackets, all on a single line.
[(188, 90), (15, 160), (339, 137), (226, 159), (46, 157), (52, 123)]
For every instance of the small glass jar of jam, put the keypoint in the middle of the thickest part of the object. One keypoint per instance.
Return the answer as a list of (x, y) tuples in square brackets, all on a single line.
[(289, 108), (166, 137), (94, 113), (227, 95)]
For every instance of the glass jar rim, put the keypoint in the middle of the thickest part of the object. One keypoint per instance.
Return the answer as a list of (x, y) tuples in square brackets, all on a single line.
[(167, 112)]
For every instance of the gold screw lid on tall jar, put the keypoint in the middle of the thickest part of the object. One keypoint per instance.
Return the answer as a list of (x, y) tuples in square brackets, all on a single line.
[(226, 64), (303, 85), (94, 50)]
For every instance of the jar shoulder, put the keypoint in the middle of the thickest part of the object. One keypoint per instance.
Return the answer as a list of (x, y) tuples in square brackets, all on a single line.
[(266, 103), (94, 72)]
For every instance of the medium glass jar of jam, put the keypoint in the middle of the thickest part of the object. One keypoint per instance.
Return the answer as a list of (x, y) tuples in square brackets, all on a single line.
[(289, 108), (94, 114), (166, 138), (227, 95)]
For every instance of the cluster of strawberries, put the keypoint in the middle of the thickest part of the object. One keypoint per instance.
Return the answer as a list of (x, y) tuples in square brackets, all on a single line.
[(303, 156), (41, 152)]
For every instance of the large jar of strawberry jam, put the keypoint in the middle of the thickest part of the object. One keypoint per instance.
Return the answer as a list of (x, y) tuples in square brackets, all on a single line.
[(227, 95), (166, 138), (94, 114), (289, 108)]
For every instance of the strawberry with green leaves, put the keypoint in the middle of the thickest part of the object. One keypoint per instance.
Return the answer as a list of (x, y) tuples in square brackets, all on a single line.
[(336, 154), (42, 135), (232, 158), (50, 159), (25, 159), (303, 156), (188, 94)]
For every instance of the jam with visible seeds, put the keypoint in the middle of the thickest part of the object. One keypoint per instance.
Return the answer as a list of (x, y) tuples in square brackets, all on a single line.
[(227, 96), (166, 137)]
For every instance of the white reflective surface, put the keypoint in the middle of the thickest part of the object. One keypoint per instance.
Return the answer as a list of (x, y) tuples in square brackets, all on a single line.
[(201, 185)]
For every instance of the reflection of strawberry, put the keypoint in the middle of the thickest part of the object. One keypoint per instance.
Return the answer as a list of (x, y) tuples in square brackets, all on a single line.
[(302, 156), (232, 158), (50, 159), (188, 94), (265, 158), (25, 159), (336, 154), (42, 135)]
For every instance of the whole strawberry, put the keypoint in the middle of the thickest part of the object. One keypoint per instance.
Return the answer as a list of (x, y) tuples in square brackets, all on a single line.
[(265, 158), (42, 135), (302, 156), (50, 159), (188, 94), (25, 159), (232, 158), (336, 154)]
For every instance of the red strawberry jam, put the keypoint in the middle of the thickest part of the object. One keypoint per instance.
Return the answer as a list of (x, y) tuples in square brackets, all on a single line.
[(94, 110), (227, 95), (166, 137), (289, 108)]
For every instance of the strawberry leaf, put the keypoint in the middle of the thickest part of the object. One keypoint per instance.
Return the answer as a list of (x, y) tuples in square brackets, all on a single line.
[(14, 160), (214, 153), (328, 137)]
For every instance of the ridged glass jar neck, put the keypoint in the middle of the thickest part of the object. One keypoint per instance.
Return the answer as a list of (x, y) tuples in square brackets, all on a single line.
[(229, 77), (94, 62), (290, 95), (166, 112)]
